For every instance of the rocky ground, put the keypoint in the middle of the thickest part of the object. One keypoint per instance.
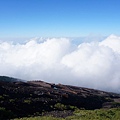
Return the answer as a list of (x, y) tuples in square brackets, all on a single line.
[(41, 98)]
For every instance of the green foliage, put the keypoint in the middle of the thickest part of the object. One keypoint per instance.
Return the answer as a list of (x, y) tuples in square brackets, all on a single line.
[(27, 101), (101, 114), (40, 118), (60, 106), (109, 99), (12, 100), (116, 104)]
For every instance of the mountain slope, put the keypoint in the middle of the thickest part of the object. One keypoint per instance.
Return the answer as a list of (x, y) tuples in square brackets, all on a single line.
[(36, 97), (8, 79)]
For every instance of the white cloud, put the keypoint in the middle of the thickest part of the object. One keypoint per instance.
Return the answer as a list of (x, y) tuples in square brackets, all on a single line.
[(113, 42), (93, 64)]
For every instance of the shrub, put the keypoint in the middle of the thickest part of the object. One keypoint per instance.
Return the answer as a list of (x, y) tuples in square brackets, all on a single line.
[(1, 97), (27, 101), (5, 114), (60, 106)]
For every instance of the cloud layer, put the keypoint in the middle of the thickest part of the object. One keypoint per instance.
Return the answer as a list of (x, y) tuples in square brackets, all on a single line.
[(94, 64)]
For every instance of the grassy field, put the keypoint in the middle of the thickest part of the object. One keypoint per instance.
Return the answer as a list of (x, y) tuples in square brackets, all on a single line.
[(101, 114)]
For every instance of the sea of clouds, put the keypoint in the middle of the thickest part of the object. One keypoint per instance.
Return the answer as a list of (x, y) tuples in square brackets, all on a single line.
[(60, 60)]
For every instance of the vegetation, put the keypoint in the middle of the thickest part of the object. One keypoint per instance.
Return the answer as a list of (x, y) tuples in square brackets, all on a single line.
[(5, 114), (101, 114), (41, 118), (27, 100), (60, 106)]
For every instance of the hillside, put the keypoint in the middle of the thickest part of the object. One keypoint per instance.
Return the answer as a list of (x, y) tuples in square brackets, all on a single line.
[(8, 79), (31, 98)]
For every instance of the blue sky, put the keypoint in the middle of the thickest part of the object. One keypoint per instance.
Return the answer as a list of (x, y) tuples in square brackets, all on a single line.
[(59, 18)]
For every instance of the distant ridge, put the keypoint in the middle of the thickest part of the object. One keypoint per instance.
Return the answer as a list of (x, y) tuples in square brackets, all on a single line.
[(8, 79)]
